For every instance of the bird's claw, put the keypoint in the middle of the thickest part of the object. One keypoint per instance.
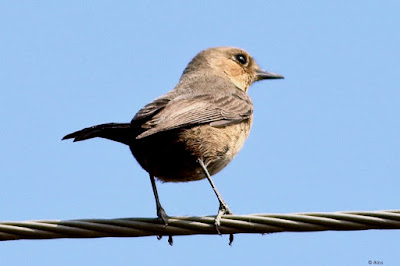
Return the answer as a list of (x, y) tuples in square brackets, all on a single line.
[(223, 209), (162, 215)]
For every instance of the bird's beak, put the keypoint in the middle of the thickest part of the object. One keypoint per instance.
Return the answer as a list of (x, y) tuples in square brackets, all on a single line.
[(261, 74)]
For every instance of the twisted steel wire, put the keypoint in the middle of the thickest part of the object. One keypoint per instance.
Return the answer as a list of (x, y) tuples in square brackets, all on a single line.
[(230, 224)]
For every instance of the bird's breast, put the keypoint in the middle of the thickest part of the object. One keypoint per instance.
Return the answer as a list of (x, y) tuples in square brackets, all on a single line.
[(216, 146), (172, 156)]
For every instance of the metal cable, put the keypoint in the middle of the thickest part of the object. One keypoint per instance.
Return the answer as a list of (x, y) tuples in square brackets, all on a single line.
[(230, 224)]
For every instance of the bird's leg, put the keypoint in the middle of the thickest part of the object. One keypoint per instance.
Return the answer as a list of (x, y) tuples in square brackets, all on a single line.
[(160, 210), (223, 207)]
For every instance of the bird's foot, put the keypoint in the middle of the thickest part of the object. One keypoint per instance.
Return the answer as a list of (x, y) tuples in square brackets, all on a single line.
[(162, 215), (223, 209)]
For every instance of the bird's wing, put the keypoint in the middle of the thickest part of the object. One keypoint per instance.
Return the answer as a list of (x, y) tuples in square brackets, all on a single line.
[(151, 109), (218, 110)]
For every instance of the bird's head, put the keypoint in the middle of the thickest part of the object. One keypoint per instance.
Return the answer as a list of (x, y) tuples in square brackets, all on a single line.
[(232, 63)]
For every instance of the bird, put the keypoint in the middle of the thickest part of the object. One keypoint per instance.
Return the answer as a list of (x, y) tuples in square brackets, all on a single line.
[(193, 131)]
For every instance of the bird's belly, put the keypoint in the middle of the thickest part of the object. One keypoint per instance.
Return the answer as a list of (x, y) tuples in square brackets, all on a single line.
[(173, 156)]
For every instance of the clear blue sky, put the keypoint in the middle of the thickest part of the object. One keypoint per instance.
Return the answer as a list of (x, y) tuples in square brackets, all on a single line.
[(324, 139)]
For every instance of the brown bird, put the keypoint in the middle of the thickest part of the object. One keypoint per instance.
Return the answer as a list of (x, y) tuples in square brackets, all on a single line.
[(196, 129)]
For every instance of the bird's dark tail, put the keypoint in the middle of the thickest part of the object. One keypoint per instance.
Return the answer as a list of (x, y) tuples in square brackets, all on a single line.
[(120, 132)]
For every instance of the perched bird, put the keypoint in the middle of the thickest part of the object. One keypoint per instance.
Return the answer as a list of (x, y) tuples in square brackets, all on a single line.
[(196, 129)]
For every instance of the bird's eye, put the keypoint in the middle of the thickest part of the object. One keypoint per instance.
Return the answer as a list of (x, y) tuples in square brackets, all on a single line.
[(241, 58)]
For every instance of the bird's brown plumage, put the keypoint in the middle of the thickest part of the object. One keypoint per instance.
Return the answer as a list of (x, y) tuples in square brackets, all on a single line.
[(203, 121)]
